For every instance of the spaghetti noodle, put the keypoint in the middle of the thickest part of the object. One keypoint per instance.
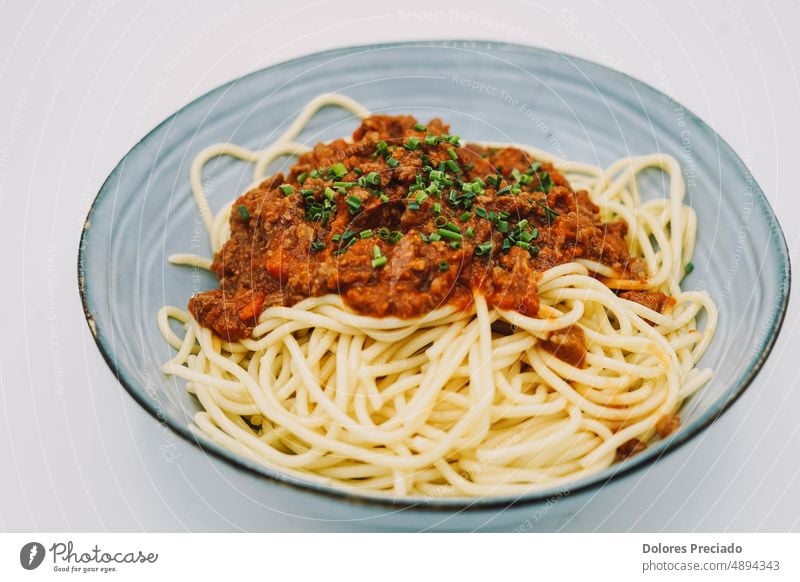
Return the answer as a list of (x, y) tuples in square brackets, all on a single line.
[(461, 400)]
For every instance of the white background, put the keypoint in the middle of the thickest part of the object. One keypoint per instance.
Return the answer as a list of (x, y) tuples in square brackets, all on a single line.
[(82, 81)]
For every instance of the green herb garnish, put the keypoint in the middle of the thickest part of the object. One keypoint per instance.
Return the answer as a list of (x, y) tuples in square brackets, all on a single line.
[(484, 249), (338, 170)]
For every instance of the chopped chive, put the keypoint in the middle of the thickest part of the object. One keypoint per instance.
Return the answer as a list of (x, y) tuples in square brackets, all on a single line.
[(480, 212), (534, 232), (412, 143), (347, 239), (523, 245), (436, 175), (366, 233), (381, 148), (302, 178), (435, 236), (306, 193), (535, 167), (431, 140), (449, 234), (243, 212), (392, 163), (344, 185), (483, 249), (455, 245), (376, 251), (466, 216), (505, 190), (330, 193), (551, 214), (502, 226), (420, 127), (338, 169), (452, 166), (432, 189), (452, 227), (421, 197), (373, 178), (440, 221), (384, 198), (353, 204), (413, 205), (389, 236), (286, 189), (317, 246), (545, 182), (470, 232), (688, 268), (379, 262), (314, 174), (443, 266), (534, 251), (437, 208), (452, 153)]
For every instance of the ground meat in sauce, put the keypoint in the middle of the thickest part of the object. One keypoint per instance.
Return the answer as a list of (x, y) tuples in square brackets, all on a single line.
[(655, 300), (629, 448), (401, 221), (667, 424), (567, 344)]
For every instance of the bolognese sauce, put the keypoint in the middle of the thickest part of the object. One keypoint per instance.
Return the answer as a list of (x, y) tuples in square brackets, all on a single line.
[(405, 219)]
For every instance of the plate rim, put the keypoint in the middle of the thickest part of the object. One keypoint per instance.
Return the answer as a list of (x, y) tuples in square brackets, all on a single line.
[(574, 488)]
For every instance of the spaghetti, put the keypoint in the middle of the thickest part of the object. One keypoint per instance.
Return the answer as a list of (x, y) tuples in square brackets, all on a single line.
[(464, 399)]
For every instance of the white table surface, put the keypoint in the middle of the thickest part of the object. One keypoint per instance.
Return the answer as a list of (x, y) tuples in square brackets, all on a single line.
[(82, 81)]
